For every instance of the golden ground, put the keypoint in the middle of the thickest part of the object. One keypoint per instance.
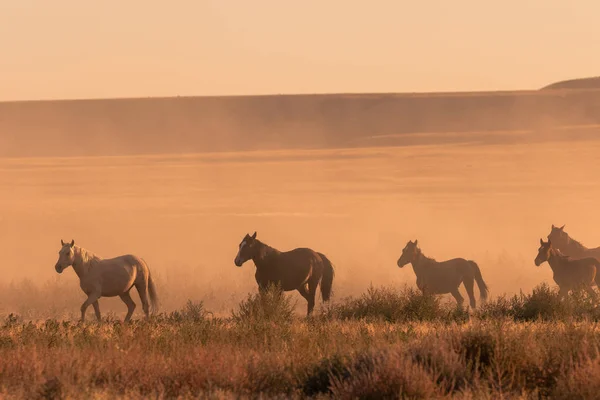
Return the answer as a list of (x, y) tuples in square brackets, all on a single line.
[(186, 214)]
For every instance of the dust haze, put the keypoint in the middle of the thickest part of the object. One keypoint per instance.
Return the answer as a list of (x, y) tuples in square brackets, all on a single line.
[(179, 182)]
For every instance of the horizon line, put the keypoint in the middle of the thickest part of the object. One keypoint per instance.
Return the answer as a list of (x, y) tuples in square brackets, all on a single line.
[(319, 94)]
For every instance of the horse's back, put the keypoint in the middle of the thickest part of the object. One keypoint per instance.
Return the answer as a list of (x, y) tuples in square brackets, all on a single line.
[(594, 253), (128, 262), (592, 260), (301, 250), (116, 275), (292, 268), (576, 270), (301, 255), (446, 274), (582, 263), (454, 263)]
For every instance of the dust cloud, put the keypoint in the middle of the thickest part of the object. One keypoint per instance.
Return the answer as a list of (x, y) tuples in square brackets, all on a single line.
[(484, 197)]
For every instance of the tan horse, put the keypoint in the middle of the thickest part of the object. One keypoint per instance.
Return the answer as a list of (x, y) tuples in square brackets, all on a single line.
[(99, 277), (569, 246), (442, 277), (569, 274), (299, 269)]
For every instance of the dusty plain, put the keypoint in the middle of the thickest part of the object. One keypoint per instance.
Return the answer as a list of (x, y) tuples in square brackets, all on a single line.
[(487, 195), (185, 214)]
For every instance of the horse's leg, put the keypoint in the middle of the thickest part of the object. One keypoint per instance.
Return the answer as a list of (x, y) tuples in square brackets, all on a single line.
[(588, 288), (562, 292), (313, 283), (303, 290), (142, 289), (456, 294), (92, 298), (469, 282), (262, 288), (126, 297), (97, 310)]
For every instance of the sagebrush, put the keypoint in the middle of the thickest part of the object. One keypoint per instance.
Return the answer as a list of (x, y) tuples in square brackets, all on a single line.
[(384, 344)]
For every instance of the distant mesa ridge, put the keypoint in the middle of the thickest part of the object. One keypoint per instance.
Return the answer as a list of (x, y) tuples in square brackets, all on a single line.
[(580, 83), (112, 127)]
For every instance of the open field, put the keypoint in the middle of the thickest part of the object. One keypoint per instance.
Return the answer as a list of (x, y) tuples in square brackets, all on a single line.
[(487, 192), (186, 214), (384, 344)]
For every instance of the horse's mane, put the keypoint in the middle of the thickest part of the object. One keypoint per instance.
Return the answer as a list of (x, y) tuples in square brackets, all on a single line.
[(86, 257), (575, 243), (265, 249), (560, 254), (424, 257)]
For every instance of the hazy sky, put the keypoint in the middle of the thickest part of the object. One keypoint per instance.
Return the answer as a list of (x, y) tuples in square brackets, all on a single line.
[(130, 48)]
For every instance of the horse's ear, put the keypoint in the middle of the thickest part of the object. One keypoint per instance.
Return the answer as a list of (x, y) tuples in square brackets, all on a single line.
[(416, 241), (541, 242), (72, 243), (254, 235), (562, 227), (61, 242)]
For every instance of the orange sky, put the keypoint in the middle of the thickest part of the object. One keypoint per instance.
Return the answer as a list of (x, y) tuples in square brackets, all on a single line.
[(81, 49)]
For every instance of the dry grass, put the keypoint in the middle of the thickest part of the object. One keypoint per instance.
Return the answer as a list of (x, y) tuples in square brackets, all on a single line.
[(185, 214), (526, 346)]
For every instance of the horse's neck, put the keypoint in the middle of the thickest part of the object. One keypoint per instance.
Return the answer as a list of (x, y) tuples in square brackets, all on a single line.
[(263, 254), (419, 262), (574, 247), (84, 260), (556, 261)]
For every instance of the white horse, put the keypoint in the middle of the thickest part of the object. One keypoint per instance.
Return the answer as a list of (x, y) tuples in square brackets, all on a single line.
[(109, 277)]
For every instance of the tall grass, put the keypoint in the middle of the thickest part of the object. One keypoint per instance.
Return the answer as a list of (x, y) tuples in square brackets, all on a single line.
[(383, 344)]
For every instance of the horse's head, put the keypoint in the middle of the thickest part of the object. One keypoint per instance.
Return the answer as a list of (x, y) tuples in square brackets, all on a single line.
[(65, 256), (543, 252), (558, 235), (409, 253), (246, 250)]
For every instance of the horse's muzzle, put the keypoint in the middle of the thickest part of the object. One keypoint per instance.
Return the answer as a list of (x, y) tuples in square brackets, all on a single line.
[(237, 262), (537, 262), (399, 263), (58, 268)]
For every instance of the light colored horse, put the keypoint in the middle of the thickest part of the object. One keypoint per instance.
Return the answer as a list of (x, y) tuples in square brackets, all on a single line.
[(108, 277), (441, 277), (569, 274)]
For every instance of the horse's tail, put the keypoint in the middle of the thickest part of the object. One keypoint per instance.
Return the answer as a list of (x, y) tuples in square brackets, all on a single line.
[(483, 289), (327, 279), (151, 290), (597, 274)]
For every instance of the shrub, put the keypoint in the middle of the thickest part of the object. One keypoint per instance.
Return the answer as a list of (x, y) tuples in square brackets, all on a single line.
[(193, 312), (268, 306), (397, 306), (384, 374)]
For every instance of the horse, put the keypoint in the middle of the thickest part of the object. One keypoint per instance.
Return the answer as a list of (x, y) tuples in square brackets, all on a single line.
[(569, 274), (108, 277), (442, 277), (299, 269), (569, 246)]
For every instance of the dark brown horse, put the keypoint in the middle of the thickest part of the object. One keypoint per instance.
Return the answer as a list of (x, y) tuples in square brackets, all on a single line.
[(569, 274), (299, 269), (441, 277), (569, 246)]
